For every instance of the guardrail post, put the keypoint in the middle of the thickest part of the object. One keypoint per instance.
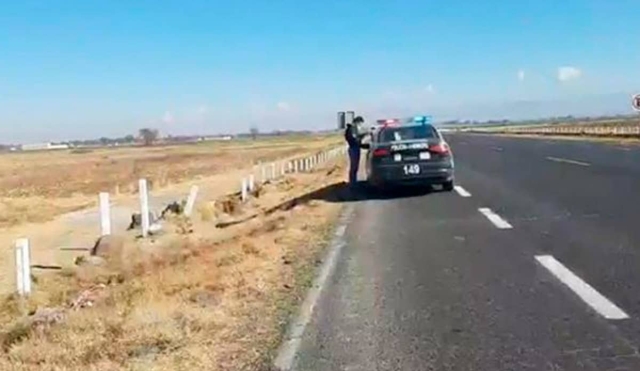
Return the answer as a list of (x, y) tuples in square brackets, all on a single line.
[(23, 267), (243, 190), (144, 206), (191, 201), (105, 214), (252, 185)]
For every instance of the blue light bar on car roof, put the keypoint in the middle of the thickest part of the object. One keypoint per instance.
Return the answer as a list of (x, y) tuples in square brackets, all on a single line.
[(422, 119)]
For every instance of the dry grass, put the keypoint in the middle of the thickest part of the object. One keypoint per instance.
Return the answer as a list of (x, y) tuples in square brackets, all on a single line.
[(210, 300), (69, 180)]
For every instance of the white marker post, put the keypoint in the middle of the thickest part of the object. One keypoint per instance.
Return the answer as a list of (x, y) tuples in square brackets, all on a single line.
[(243, 190), (19, 269), (289, 167), (295, 165), (252, 185), (264, 173), (191, 201), (273, 171), (105, 214), (144, 206), (283, 168), (23, 267)]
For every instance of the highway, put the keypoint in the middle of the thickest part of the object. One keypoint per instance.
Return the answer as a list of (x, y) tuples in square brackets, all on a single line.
[(533, 263)]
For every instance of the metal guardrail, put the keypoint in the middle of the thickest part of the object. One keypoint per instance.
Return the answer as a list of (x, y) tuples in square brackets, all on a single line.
[(576, 130), (594, 130)]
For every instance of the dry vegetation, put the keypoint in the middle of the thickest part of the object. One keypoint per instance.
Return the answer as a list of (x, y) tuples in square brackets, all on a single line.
[(70, 180), (199, 297)]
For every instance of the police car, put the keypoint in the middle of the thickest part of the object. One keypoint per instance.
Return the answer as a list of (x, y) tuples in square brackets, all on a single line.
[(405, 152)]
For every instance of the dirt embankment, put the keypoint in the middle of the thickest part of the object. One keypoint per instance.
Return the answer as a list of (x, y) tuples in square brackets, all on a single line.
[(212, 293)]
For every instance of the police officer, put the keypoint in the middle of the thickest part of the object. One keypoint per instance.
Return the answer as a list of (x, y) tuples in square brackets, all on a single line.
[(354, 140)]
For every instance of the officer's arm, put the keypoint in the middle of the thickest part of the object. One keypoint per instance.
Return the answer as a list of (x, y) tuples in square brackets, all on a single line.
[(360, 140)]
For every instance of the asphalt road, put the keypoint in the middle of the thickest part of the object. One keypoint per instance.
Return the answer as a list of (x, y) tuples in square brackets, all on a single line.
[(537, 268)]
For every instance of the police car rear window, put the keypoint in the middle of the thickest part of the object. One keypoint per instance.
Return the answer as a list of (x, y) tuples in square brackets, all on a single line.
[(391, 134)]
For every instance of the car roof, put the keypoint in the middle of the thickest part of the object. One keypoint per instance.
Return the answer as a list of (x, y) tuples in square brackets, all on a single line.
[(379, 128), (375, 135)]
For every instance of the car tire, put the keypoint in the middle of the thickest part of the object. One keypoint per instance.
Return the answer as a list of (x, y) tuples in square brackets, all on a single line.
[(447, 186)]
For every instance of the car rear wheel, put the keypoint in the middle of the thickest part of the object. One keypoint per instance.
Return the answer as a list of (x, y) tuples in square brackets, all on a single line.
[(447, 186)]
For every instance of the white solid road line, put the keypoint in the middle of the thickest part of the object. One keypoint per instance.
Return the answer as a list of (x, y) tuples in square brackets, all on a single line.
[(288, 350), (587, 293), (567, 161), (462, 192), (495, 218)]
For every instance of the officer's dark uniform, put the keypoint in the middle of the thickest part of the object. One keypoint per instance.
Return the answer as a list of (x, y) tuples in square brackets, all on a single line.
[(354, 142)]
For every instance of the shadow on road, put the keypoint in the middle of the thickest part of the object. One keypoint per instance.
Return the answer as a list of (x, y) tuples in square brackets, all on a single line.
[(338, 192), (341, 192)]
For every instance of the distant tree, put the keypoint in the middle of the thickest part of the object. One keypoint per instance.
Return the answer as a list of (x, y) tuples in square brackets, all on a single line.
[(254, 132), (129, 139), (148, 136)]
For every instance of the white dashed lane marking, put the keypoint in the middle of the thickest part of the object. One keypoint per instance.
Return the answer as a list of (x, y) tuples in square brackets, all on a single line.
[(495, 218), (588, 294), (462, 192), (567, 161)]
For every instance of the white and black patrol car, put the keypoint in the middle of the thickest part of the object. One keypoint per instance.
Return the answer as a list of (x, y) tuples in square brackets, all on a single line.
[(412, 152)]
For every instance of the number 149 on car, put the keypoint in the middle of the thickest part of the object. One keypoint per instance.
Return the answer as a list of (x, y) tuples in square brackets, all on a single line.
[(411, 169)]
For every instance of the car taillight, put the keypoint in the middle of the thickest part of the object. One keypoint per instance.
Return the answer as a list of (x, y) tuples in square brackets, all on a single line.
[(380, 152), (442, 149)]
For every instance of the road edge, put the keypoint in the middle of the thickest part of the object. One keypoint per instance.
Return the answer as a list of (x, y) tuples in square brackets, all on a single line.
[(289, 346)]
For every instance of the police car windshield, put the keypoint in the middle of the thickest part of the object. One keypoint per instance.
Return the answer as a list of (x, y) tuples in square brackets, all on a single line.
[(395, 134)]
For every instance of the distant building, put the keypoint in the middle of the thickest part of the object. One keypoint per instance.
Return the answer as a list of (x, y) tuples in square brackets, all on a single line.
[(42, 146), (226, 137)]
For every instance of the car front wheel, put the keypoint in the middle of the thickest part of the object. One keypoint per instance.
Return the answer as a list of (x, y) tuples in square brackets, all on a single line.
[(448, 186)]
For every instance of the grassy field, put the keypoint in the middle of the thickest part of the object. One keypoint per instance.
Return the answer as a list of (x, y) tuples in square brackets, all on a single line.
[(198, 297), (37, 186)]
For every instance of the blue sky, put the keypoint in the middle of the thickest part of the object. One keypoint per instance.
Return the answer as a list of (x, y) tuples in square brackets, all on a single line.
[(81, 69)]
